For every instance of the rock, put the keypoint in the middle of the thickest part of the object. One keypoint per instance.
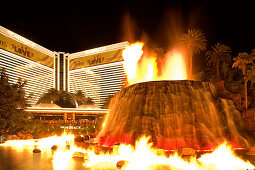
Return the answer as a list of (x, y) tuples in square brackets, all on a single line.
[(68, 146), (186, 152), (224, 93), (251, 151), (78, 139), (54, 147), (97, 149), (175, 114), (25, 136), (80, 155), (36, 150), (121, 163), (249, 118), (159, 151)]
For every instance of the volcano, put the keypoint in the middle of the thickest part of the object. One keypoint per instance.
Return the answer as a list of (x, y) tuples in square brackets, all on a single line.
[(175, 114)]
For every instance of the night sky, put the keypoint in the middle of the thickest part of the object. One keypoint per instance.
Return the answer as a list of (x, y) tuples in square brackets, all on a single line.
[(71, 26)]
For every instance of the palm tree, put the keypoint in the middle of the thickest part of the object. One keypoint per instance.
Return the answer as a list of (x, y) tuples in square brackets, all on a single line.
[(53, 95), (251, 75), (241, 62), (89, 100), (50, 97), (79, 97), (194, 42), (219, 53)]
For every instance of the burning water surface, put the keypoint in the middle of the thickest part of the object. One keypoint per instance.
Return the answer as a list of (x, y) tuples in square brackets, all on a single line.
[(141, 156)]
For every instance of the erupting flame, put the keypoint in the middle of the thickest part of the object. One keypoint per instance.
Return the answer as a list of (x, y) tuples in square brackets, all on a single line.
[(131, 56), (174, 68), (141, 69), (142, 156)]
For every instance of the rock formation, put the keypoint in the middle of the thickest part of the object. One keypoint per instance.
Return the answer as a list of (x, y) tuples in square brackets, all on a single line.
[(175, 114)]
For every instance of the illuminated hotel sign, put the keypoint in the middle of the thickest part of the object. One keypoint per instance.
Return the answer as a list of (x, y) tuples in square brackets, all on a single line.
[(96, 59), (22, 39), (95, 50), (70, 127), (23, 50)]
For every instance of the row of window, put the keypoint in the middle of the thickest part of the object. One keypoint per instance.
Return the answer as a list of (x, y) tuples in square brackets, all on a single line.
[(39, 78)]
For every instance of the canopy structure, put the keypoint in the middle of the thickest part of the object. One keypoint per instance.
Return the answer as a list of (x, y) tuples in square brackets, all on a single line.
[(51, 110)]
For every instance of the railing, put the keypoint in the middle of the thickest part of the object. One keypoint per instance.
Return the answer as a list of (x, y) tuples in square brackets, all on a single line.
[(80, 122)]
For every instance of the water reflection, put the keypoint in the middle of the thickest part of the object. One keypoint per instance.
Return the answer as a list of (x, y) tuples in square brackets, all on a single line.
[(23, 158)]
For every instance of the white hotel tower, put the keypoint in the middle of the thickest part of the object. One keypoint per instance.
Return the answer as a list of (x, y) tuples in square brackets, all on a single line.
[(97, 72)]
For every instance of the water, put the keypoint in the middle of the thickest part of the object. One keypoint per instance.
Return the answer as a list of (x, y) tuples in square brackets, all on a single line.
[(15, 158)]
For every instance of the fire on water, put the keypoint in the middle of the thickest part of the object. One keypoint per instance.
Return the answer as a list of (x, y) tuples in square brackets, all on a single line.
[(141, 69), (141, 156)]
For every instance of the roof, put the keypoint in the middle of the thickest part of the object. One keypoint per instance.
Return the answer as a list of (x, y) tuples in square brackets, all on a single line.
[(88, 107), (46, 105)]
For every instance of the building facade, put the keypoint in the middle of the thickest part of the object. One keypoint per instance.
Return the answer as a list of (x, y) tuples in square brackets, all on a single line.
[(97, 72)]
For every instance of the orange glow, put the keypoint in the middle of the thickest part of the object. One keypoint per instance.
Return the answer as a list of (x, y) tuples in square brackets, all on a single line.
[(131, 56), (144, 156), (147, 70), (44, 143), (174, 68), (140, 67), (139, 157), (224, 158)]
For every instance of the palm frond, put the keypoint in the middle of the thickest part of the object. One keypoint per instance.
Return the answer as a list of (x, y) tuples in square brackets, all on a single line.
[(194, 40), (219, 53)]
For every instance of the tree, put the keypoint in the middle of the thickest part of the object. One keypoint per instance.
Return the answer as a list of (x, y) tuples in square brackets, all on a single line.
[(80, 97), (53, 95), (194, 42), (50, 97), (220, 53), (89, 101), (13, 118), (241, 62), (251, 74)]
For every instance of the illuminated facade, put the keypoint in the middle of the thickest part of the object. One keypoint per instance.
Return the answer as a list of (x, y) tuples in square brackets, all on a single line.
[(97, 72)]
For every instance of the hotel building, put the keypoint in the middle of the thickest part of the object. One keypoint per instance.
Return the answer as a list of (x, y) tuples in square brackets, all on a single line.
[(97, 72)]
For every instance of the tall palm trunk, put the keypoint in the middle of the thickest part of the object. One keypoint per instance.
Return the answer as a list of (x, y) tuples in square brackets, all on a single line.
[(246, 95), (245, 88), (190, 63), (190, 66), (218, 69)]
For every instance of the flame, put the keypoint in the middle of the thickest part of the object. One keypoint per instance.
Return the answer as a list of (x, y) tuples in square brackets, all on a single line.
[(44, 143), (141, 69), (142, 156), (174, 68), (131, 56), (224, 158)]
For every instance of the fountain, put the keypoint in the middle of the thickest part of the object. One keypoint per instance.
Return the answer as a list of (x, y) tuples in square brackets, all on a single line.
[(175, 114)]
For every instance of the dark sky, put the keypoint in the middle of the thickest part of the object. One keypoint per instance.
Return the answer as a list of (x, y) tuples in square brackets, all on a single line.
[(72, 26)]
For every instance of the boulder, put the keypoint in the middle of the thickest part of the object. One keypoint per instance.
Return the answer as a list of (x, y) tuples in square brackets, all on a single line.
[(121, 163), (54, 147), (36, 150)]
